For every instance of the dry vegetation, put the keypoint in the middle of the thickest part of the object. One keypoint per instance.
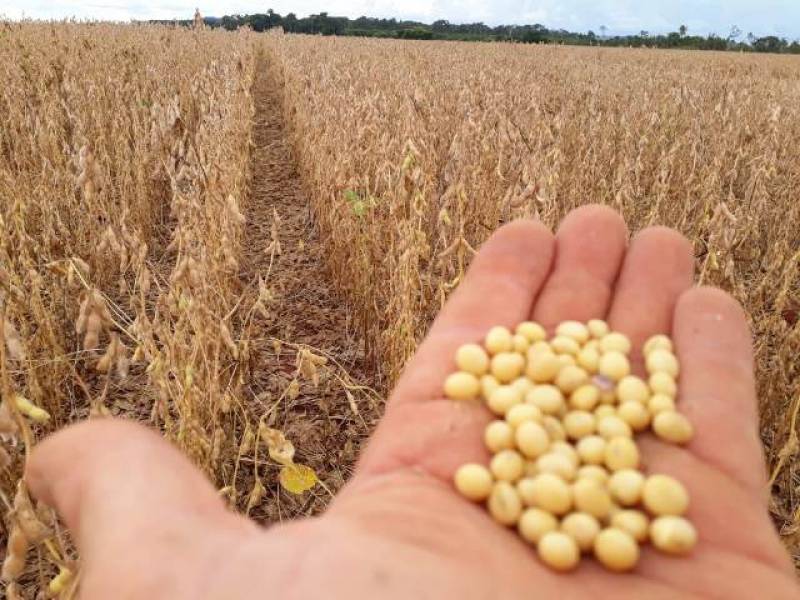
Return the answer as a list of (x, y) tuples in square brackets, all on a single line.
[(147, 270), (123, 155), (132, 281), (413, 153)]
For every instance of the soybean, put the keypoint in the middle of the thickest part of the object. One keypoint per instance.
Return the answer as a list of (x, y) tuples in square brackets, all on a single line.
[(664, 495), (673, 427), (582, 527), (673, 535), (534, 523), (563, 444), (472, 359), (462, 386), (532, 439), (474, 482), (616, 549), (499, 339), (504, 503), (498, 436), (559, 551)]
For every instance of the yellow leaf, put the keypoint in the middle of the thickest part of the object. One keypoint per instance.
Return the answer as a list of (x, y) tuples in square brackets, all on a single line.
[(30, 410), (60, 581), (297, 478)]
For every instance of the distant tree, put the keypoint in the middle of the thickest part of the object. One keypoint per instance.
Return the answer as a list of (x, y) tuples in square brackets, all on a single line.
[(770, 43), (479, 28), (325, 24), (712, 42), (230, 22), (290, 22), (258, 22), (531, 34), (273, 19), (673, 40), (416, 33)]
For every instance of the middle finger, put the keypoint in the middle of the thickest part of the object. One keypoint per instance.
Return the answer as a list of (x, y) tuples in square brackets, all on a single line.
[(590, 246)]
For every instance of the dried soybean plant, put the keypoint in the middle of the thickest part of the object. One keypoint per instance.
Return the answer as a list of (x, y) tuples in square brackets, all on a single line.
[(414, 152), (123, 160), (123, 175)]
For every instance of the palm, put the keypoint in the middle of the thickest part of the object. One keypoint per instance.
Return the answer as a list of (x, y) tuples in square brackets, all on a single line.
[(398, 529)]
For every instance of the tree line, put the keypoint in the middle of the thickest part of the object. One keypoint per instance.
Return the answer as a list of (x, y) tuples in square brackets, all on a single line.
[(325, 24)]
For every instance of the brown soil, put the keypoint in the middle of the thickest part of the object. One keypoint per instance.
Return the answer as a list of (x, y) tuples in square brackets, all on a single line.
[(326, 423)]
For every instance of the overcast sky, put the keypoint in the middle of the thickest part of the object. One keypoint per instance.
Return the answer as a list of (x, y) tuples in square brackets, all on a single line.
[(762, 17)]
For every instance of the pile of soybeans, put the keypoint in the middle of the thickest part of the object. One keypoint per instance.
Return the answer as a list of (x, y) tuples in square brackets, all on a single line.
[(565, 467)]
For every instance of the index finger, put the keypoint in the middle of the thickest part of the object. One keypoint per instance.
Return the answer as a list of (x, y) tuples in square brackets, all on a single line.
[(499, 289), (420, 427)]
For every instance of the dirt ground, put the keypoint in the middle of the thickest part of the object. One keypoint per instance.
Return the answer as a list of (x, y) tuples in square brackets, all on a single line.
[(327, 423)]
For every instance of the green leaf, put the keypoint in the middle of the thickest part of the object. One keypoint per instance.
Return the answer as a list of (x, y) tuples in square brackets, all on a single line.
[(359, 208)]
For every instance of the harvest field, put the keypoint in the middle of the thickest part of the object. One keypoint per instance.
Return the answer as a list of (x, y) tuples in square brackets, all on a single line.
[(239, 239)]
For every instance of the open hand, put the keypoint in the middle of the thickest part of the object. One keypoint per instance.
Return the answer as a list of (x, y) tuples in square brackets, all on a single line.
[(148, 525)]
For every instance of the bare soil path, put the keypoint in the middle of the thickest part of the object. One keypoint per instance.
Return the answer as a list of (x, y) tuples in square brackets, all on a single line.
[(325, 422)]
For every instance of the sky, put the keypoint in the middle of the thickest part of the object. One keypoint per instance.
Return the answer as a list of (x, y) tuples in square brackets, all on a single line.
[(762, 17)]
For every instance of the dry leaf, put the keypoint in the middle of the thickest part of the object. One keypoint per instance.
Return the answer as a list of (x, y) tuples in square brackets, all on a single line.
[(256, 495), (280, 449)]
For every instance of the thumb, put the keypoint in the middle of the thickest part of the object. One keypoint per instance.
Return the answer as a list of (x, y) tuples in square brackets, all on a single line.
[(121, 488)]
